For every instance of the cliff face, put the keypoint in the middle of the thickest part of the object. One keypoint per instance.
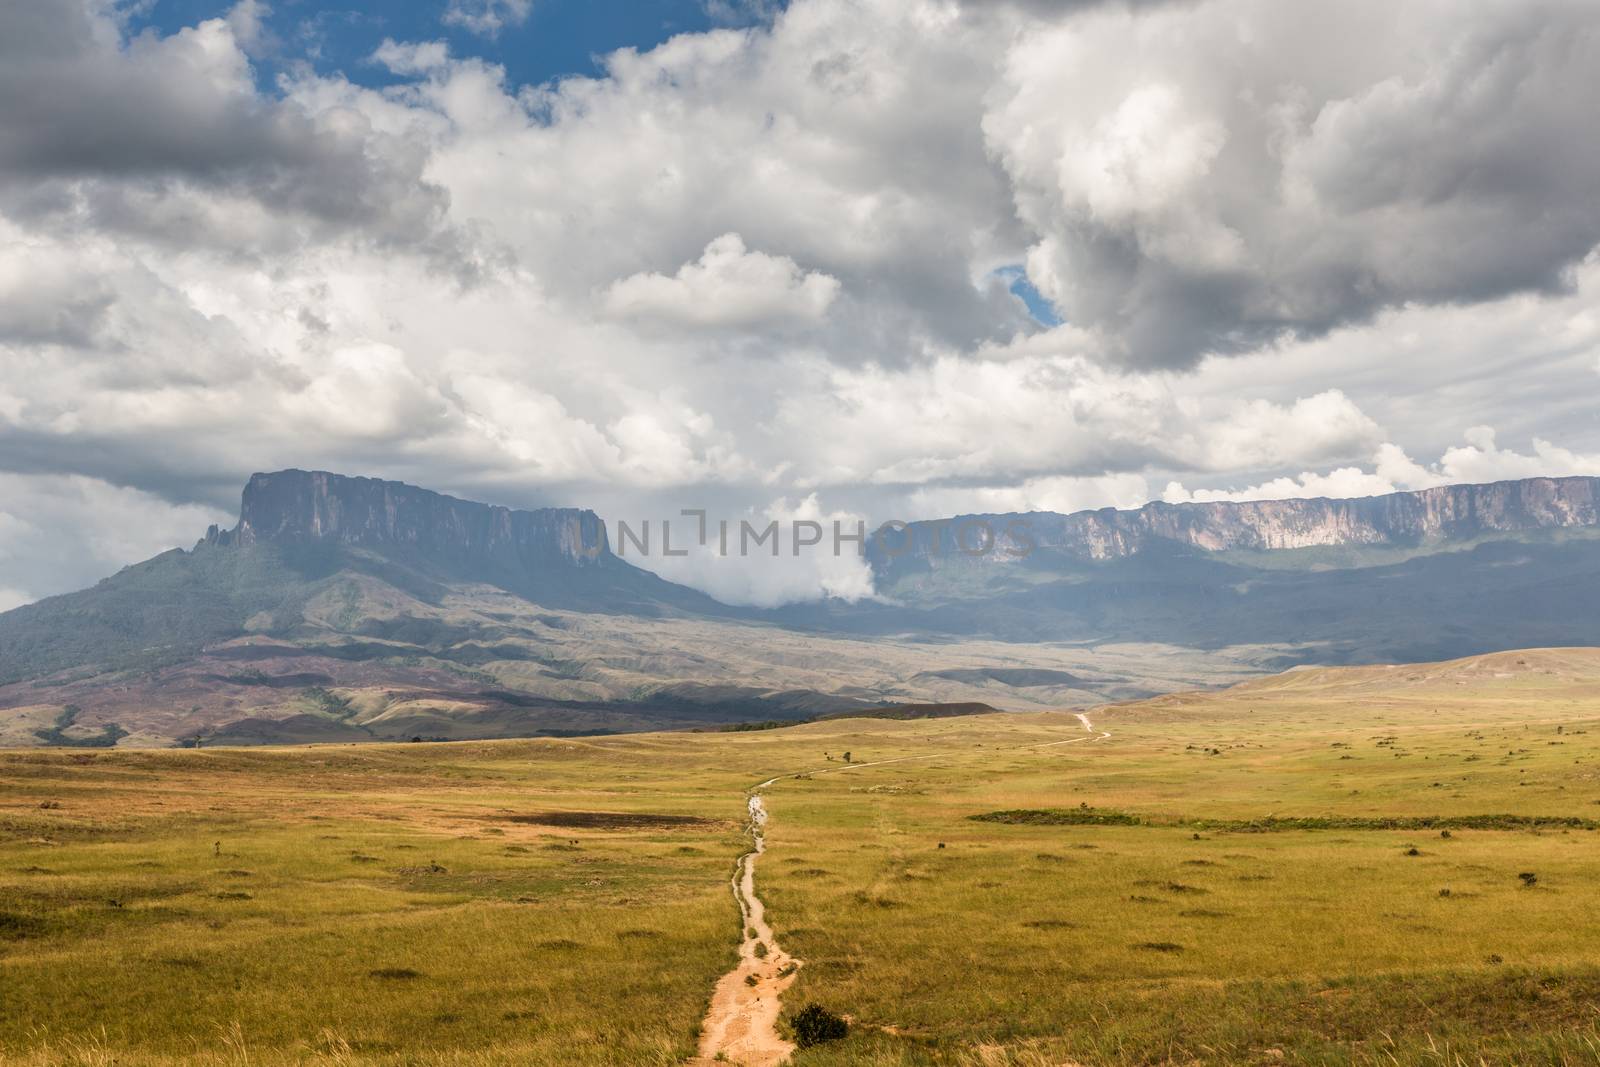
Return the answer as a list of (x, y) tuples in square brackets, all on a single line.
[(305, 507), (1455, 512)]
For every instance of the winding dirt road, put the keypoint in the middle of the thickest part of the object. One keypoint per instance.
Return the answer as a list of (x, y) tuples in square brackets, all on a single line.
[(741, 1025)]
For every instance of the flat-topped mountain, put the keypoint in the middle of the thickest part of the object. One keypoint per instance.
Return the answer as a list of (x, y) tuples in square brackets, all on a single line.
[(1396, 520), (304, 537), (1423, 575), (315, 507)]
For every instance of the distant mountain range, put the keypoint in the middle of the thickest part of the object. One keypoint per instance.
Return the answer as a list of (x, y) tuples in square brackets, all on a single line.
[(1431, 574), (1443, 514), (347, 608)]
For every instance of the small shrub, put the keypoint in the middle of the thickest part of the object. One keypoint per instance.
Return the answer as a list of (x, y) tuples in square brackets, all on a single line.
[(761, 950), (397, 973), (1529, 879), (814, 1025), (427, 868)]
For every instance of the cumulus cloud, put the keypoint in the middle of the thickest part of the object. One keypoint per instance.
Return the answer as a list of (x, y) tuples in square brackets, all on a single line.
[(487, 17), (967, 421), (729, 286), (1258, 433), (1216, 177), (1479, 460), (1340, 483), (1482, 460), (1062, 494), (415, 57)]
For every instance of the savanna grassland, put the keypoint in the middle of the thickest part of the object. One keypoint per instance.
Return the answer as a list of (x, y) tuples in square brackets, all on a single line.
[(1370, 865)]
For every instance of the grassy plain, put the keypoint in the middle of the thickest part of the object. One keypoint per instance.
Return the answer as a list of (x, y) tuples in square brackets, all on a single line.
[(1252, 875)]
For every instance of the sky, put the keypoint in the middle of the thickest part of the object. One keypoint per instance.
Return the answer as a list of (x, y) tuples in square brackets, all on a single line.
[(889, 259)]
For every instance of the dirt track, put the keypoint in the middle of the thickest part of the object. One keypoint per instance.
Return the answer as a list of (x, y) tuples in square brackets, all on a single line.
[(742, 1023)]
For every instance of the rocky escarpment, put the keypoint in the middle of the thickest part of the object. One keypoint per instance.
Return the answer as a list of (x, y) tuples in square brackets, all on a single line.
[(296, 507), (1456, 512)]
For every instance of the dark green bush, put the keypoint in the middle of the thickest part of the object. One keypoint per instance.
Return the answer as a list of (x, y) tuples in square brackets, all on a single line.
[(814, 1024)]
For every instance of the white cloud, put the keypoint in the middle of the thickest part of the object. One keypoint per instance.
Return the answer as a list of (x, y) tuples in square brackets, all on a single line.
[(1343, 482), (1258, 433), (420, 57), (1059, 494), (795, 572), (1482, 460), (1479, 460), (968, 420), (487, 17), (729, 286)]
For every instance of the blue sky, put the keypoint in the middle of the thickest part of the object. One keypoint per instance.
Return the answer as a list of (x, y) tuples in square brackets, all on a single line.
[(559, 37)]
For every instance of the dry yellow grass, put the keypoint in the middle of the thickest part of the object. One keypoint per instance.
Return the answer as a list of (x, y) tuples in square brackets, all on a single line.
[(414, 904)]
